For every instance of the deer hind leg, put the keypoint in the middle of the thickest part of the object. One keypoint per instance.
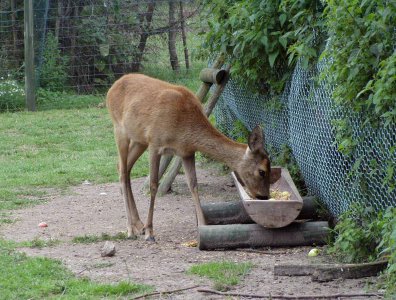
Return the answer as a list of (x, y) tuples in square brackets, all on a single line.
[(129, 152), (189, 169), (154, 170)]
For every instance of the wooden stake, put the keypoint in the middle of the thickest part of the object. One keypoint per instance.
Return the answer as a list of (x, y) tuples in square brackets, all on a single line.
[(30, 81)]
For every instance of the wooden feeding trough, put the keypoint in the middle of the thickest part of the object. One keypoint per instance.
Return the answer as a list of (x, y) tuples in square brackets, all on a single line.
[(273, 213), (274, 218)]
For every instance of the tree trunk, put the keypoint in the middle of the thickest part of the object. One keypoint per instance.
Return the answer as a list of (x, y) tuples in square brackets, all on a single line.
[(58, 19), (184, 36), (145, 24), (174, 60), (73, 36), (13, 26)]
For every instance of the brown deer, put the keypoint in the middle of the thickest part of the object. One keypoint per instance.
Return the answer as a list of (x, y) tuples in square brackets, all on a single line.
[(169, 119)]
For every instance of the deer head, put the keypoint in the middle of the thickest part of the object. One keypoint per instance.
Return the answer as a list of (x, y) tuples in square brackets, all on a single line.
[(254, 170)]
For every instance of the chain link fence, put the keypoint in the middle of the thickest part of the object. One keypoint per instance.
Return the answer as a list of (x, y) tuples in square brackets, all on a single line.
[(303, 120)]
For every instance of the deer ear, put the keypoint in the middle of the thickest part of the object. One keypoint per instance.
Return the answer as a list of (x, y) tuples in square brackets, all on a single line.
[(256, 140)]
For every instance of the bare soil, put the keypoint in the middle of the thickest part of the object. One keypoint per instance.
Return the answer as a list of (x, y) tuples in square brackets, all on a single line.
[(95, 209)]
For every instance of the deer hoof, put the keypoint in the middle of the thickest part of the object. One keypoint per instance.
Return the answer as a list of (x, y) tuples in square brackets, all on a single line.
[(150, 239)]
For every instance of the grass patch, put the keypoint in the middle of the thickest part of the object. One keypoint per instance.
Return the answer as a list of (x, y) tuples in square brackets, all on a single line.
[(88, 239), (39, 243), (224, 274), (4, 218), (56, 148), (23, 277)]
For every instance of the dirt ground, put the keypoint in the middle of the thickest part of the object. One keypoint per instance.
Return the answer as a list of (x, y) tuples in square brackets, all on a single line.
[(90, 209)]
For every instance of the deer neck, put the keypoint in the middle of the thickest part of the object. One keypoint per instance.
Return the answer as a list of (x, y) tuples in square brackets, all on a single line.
[(221, 148)]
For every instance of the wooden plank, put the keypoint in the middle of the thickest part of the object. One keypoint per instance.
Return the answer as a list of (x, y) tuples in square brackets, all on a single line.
[(327, 272), (252, 235), (349, 271)]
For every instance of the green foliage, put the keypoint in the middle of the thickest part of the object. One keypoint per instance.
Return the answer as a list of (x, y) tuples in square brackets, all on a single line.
[(224, 274), (12, 95), (263, 39), (361, 48), (365, 235), (53, 70), (23, 277), (357, 235), (239, 132), (47, 99), (387, 247)]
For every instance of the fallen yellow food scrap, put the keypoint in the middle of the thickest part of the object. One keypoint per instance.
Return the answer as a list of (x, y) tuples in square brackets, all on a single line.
[(278, 195), (192, 243)]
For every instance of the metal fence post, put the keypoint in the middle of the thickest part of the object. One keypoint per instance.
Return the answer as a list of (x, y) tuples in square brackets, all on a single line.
[(30, 92)]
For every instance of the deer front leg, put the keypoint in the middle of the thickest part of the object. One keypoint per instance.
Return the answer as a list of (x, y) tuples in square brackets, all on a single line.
[(189, 169), (128, 154), (154, 169)]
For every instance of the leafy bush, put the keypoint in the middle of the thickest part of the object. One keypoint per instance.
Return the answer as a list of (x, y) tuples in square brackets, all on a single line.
[(365, 235), (363, 59), (53, 70), (262, 37), (12, 95)]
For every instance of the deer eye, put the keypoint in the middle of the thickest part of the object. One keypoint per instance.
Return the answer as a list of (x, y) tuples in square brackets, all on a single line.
[(262, 173)]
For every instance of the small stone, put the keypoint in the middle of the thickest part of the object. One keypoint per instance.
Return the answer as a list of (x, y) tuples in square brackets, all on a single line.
[(108, 249)]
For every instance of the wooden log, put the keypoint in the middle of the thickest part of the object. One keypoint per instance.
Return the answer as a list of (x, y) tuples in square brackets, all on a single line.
[(211, 103), (222, 213), (233, 212), (205, 86), (170, 176), (295, 269), (349, 271), (252, 235), (211, 75), (327, 272)]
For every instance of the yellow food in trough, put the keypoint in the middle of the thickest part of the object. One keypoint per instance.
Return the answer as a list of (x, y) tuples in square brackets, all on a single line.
[(278, 195)]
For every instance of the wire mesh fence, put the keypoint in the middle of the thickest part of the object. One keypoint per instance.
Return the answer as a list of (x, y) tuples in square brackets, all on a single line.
[(83, 46), (303, 120)]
